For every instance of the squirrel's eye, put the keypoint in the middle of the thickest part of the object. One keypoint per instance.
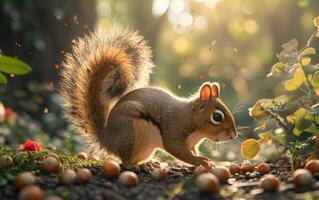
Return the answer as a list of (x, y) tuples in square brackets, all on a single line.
[(217, 117)]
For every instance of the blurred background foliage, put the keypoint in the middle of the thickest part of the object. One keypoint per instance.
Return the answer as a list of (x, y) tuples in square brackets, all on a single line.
[(230, 41)]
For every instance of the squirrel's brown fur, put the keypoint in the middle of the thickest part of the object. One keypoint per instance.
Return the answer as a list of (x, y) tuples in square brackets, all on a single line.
[(102, 67), (107, 98)]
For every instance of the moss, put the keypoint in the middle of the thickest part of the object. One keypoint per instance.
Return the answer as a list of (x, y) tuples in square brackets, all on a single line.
[(33, 162)]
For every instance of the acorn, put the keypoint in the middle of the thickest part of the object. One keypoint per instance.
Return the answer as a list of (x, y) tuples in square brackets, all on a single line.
[(128, 179), (21, 155), (31, 192), (234, 168), (82, 155), (247, 167), (67, 176), (159, 174), (83, 175), (222, 173), (54, 155), (50, 165), (312, 166), (263, 168), (302, 177), (5, 161), (269, 183), (110, 169), (53, 197), (207, 182), (23, 179), (94, 157), (199, 170)]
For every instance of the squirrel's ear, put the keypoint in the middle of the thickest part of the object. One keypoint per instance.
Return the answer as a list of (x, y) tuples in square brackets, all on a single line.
[(205, 92), (215, 90)]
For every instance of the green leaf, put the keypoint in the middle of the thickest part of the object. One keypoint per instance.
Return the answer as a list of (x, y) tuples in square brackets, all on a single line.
[(283, 99), (315, 80), (290, 45), (310, 69), (305, 61), (13, 66), (3, 79), (276, 68), (294, 83), (266, 135), (250, 148), (308, 51), (257, 112), (302, 121), (289, 109)]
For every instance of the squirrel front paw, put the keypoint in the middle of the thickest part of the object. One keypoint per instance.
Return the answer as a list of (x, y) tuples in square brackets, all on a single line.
[(208, 164)]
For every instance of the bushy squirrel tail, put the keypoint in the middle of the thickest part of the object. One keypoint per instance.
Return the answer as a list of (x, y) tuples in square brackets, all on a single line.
[(102, 67)]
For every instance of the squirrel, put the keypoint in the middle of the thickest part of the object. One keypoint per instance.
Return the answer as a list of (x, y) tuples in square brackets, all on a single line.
[(107, 99)]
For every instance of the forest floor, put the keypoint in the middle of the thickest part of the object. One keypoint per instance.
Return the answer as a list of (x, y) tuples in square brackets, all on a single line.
[(179, 184)]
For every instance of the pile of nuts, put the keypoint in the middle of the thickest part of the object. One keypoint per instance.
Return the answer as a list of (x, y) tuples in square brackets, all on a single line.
[(207, 180)]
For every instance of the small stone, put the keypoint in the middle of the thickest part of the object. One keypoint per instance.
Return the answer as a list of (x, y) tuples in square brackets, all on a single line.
[(67, 177), (5, 161), (31, 192), (23, 179), (207, 182), (83, 175), (128, 179)]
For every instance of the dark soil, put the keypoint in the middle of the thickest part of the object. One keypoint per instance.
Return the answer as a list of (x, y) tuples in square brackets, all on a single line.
[(179, 184)]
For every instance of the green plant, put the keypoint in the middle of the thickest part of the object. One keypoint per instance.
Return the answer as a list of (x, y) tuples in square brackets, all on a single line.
[(292, 119), (12, 66)]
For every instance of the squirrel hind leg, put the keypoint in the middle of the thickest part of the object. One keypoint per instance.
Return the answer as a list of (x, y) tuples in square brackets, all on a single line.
[(147, 140)]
